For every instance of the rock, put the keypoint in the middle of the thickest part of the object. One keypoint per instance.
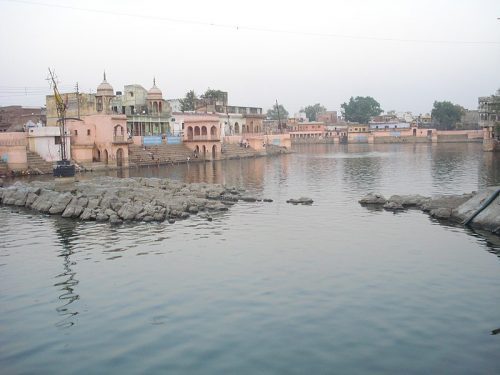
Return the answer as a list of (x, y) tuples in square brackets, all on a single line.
[(101, 216), (148, 218), (248, 199), (393, 206), (114, 219), (441, 213), (408, 200), (372, 198), (1, 182), (171, 221), (159, 216), (193, 209), (267, 200), (88, 214), (60, 203), (301, 200), (212, 194)]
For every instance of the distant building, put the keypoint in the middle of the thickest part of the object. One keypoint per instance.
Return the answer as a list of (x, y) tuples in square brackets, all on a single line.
[(15, 117), (469, 120), (489, 120), (328, 117)]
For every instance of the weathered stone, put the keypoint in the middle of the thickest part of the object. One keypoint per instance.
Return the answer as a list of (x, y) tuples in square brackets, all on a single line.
[(393, 206), (193, 209), (88, 214), (267, 200), (372, 198), (408, 200), (101, 216), (60, 203), (441, 213), (114, 219)]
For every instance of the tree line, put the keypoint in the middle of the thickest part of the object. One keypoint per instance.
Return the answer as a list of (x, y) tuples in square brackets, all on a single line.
[(445, 115)]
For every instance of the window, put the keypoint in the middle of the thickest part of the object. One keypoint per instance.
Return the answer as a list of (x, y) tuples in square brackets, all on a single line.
[(57, 140), (131, 94), (76, 132), (88, 131)]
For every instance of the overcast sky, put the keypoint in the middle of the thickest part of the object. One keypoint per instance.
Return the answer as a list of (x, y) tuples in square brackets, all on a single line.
[(405, 54)]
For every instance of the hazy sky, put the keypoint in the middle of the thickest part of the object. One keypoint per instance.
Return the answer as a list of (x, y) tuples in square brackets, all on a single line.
[(405, 54)]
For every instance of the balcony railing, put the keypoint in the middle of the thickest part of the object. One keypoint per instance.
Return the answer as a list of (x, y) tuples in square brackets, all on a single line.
[(203, 138), (121, 139)]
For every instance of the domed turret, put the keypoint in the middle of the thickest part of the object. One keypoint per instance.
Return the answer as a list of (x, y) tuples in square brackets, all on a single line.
[(154, 92), (105, 89)]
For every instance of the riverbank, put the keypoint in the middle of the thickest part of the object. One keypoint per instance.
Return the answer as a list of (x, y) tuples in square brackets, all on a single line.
[(477, 209)]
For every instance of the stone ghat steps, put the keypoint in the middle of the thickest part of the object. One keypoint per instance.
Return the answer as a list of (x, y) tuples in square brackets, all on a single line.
[(158, 154), (235, 151), (36, 162)]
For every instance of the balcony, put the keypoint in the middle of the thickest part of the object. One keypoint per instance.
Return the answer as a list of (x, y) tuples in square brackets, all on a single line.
[(121, 139), (202, 138)]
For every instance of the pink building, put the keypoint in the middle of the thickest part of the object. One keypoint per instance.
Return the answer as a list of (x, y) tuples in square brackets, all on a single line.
[(202, 135), (99, 138)]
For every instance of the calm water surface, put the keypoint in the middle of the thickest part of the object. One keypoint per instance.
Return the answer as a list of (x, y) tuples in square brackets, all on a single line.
[(266, 287)]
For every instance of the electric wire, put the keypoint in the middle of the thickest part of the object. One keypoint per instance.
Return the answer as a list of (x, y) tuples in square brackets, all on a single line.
[(255, 29)]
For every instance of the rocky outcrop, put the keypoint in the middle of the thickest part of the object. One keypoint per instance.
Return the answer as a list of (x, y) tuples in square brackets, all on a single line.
[(456, 208), (116, 200)]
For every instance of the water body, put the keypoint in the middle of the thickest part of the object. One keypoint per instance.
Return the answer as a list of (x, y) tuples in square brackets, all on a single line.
[(266, 287)]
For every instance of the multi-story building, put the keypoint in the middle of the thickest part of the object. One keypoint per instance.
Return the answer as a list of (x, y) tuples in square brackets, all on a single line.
[(489, 120), (146, 110)]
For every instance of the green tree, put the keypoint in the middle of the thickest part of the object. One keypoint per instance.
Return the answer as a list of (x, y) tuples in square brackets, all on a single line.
[(273, 113), (445, 115), (312, 111), (189, 101), (360, 109), (211, 94)]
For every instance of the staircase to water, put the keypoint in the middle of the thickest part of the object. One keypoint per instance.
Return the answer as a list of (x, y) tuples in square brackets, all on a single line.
[(38, 164), (235, 151), (158, 154)]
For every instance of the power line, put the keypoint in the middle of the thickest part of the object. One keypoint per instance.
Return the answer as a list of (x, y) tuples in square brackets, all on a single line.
[(252, 28)]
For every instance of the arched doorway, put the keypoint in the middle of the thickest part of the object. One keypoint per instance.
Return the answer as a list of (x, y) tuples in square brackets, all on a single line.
[(213, 132), (214, 152), (190, 133), (119, 158), (203, 130), (236, 128), (204, 149), (105, 156)]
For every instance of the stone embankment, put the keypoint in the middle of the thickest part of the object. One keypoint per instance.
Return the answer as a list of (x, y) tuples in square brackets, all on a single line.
[(477, 209), (117, 200)]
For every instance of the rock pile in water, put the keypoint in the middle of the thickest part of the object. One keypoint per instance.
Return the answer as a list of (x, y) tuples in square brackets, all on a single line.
[(456, 208), (117, 200)]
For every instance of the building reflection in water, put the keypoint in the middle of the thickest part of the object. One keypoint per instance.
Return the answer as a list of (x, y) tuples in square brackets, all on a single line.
[(66, 280)]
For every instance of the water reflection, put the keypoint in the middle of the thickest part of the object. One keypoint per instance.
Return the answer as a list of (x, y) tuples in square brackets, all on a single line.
[(67, 282)]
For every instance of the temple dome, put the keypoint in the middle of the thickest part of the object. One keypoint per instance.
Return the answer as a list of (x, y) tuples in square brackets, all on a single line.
[(154, 93), (105, 89)]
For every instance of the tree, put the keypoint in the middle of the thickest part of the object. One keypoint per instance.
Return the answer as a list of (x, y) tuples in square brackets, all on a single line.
[(189, 101), (312, 111), (273, 113), (360, 109), (446, 115), (214, 95)]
